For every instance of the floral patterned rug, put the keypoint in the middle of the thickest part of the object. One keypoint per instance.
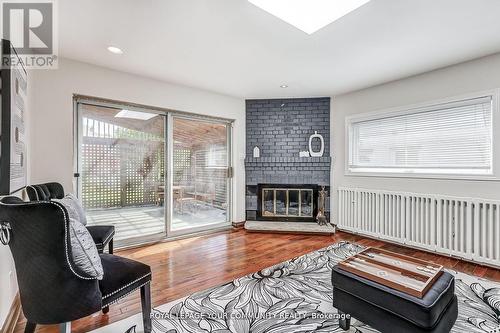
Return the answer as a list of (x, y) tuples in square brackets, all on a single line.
[(296, 296)]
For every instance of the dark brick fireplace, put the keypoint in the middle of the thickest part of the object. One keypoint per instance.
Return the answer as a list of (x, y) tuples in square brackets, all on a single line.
[(281, 129)]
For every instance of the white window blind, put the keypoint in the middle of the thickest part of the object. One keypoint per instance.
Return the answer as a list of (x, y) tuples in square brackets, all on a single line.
[(452, 138)]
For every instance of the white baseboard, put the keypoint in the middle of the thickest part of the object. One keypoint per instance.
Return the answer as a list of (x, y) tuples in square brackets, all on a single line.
[(13, 316)]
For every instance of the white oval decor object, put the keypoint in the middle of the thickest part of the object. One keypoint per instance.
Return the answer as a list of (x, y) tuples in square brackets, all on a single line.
[(256, 152), (321, 150)]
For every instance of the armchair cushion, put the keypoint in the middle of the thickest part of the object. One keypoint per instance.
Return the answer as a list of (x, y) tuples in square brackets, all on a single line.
[(122, 276), (84, 251), (101, 234), (74, 208)]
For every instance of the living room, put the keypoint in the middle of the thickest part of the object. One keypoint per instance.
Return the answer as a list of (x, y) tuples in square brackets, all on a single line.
[(250, 166)]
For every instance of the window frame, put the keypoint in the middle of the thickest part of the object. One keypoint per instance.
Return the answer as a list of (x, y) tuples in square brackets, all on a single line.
[(422, 107)]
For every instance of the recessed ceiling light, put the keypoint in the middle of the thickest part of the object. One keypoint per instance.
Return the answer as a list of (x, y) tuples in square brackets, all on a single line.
[(309, 15), (135, 115), (115, 50), (283, 86)]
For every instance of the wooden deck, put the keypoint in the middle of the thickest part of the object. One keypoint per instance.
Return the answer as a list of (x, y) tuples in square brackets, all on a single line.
[(136, 222), (185, 266)]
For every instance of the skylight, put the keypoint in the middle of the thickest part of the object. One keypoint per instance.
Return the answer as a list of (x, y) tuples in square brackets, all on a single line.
[(135, 115), (309, 15)]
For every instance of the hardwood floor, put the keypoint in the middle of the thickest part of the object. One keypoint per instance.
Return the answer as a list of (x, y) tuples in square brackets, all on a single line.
[(184, 266)]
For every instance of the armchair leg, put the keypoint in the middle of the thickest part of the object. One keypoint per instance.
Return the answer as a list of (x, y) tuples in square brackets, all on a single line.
[(110, 246), (30, 327), (146, 307), (65, 327), (105, 309)]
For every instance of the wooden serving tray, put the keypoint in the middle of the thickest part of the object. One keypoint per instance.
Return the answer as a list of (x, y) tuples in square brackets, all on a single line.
[(406, 274)]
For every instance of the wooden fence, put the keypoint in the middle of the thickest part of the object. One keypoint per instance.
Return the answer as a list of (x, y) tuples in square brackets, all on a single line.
[(123, 167), (121, 172)]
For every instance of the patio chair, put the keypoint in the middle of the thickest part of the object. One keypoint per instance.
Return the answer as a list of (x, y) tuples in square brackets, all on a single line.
[(53, 289), (101, 234), (182, 199)]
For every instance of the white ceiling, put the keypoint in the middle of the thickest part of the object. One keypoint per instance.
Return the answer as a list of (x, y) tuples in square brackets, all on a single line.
[(233, 47)]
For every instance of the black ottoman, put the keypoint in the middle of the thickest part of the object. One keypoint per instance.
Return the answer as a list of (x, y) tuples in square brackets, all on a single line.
[(389, 310)]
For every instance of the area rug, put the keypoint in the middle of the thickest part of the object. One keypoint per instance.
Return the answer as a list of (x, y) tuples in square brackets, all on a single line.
[(296, 296)]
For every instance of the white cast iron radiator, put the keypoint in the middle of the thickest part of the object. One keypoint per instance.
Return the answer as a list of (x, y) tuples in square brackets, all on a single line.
[(464, 227)]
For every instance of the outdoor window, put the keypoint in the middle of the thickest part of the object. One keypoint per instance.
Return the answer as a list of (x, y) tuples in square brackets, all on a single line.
[(453, 138)]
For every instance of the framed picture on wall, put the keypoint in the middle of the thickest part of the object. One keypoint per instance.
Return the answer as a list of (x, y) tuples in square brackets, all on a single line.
[(13, 166)]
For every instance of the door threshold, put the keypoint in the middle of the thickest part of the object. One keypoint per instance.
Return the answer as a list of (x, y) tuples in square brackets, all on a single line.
[(174, 238), (199, 232)]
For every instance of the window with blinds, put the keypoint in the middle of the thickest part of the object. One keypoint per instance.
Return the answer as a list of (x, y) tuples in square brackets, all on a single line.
[(453, 138)]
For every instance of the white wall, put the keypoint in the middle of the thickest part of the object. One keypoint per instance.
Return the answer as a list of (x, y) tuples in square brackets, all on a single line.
[(52, 134), (477, 75), (8, 280)]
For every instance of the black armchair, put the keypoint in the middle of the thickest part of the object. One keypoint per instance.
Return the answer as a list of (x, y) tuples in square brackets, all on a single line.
[(101, 234), (53, 289)]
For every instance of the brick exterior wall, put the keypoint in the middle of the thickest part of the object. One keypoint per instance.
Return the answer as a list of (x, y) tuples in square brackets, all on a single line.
[(281, 129)]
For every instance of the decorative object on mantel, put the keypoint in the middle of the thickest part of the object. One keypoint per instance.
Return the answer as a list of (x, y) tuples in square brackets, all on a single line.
[(322, 149), (256, 152), (303, 154), (321, 218)]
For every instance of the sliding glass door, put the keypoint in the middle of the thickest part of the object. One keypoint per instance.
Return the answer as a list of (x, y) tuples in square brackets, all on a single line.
[(199, 189), (152, 174), (122, 170)]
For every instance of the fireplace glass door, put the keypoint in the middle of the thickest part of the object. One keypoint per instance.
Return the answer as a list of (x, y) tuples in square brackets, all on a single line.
[(267, 202), (306, 207), (282, 202), (293, 203)]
